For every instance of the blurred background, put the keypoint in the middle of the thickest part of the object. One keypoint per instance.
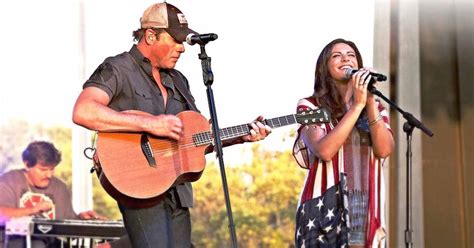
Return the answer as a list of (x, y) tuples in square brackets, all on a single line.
[(263, 63)]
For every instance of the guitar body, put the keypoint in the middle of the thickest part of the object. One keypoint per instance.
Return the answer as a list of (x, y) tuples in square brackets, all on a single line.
[(137, 168), (128, 175)]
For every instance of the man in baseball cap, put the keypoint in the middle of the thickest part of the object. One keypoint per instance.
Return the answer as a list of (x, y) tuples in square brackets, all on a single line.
[(168, 17), (144, 79)]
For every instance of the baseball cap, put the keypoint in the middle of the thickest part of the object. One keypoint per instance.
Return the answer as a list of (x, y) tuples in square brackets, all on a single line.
[(168, 17)]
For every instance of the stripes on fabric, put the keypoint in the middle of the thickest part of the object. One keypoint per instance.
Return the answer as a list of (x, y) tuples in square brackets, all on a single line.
[(323, 175)]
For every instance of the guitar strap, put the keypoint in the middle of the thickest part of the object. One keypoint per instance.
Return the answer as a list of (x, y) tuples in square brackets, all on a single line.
[(178, 80)]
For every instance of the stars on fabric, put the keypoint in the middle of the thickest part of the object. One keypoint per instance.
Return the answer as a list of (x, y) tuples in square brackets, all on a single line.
[(311, 224), (303, 245), (320, 204), (328, 229), (319, 221), (330, 214), (321, 238)]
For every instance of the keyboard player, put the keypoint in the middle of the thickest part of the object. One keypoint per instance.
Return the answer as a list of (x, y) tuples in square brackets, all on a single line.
[(34, 191)]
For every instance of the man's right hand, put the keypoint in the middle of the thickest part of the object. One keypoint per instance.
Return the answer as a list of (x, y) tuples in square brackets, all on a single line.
[(42, 206), (91, 111), (165, 126)]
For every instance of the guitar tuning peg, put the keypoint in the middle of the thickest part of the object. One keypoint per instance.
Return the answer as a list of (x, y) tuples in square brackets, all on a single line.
[(311, 112), (314, 120), (318, 111), (321, 119), (305, 121)]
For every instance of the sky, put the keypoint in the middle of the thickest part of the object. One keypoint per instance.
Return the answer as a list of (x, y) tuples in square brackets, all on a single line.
[(263, 60)]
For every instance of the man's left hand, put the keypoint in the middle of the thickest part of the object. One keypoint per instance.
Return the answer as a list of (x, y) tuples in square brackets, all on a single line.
[(258, 131)]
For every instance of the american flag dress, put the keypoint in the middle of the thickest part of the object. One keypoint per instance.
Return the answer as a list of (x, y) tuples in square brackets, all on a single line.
[(342, 200)]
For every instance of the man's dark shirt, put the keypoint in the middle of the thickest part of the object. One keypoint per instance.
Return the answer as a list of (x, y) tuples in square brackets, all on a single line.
[(127, 79)]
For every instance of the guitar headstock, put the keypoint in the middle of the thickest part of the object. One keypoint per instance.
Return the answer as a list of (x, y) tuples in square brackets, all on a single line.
[(313, 116)]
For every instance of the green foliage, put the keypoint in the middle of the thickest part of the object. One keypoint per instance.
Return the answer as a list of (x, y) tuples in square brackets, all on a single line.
[(263, 195), (104, 204)]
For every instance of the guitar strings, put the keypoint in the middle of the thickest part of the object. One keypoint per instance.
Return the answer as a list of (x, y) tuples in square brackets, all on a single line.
[(158, 142), (206, 136), (244, 130), (182, 146), (205, 139)]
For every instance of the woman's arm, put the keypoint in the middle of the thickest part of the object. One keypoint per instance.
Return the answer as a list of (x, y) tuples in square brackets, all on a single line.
[(382, 139)]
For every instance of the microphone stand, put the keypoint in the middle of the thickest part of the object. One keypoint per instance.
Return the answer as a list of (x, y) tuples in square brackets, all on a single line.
[(408, 126), (208, 78)]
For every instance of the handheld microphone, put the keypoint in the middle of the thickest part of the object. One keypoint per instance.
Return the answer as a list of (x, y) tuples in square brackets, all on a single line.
[(375, 76), (200, 39)]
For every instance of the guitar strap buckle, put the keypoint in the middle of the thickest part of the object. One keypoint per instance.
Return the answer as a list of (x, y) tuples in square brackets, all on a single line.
[(91, 153)]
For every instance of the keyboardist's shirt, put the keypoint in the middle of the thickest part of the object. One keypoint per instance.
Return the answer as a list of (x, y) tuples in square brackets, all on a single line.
[(15, 193)]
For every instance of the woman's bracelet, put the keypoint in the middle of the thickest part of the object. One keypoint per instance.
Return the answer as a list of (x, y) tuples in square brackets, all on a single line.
[(379, 117)]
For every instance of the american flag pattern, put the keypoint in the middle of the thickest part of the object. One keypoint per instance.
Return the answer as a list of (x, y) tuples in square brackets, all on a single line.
[(322, 221), (322, 217)]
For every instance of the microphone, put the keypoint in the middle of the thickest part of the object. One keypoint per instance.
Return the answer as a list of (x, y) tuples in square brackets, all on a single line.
[(375, 76), (200, 39)]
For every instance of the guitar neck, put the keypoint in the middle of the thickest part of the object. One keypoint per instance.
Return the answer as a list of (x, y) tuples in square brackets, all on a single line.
[(206, 138)]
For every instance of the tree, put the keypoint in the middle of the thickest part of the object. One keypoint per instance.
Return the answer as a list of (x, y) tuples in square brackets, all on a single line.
[(264, 195)]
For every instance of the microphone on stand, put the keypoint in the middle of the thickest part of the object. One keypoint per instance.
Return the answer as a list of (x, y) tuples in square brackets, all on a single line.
[(200, 39)]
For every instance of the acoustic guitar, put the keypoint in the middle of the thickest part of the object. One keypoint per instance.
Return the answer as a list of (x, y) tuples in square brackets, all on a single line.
[(134, 167)]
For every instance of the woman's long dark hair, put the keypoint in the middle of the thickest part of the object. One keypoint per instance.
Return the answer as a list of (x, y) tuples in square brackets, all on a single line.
[(325, 91)]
